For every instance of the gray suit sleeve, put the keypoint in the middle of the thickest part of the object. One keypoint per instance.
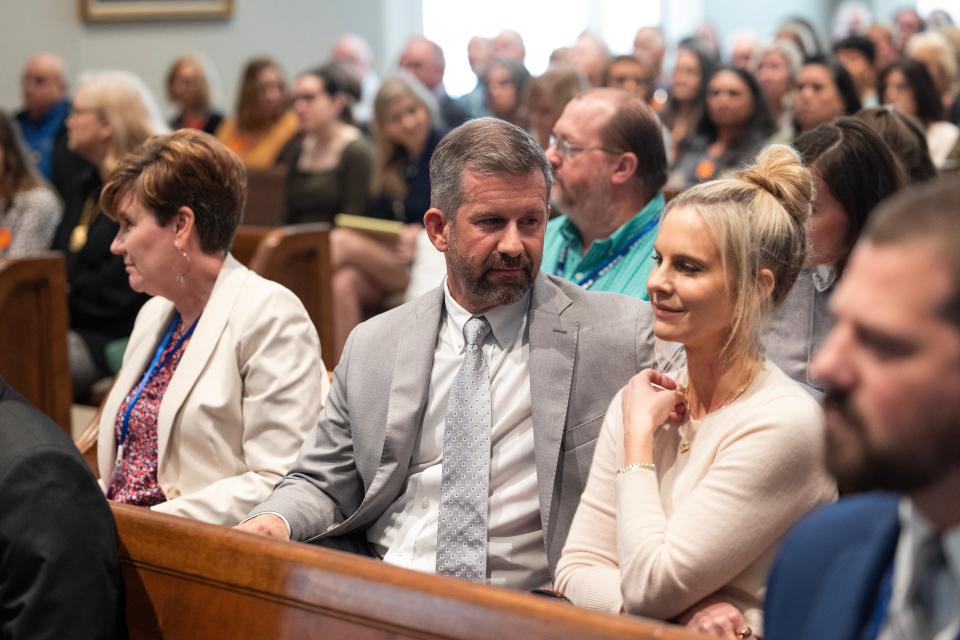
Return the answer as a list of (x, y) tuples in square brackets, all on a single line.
[(323, 487)]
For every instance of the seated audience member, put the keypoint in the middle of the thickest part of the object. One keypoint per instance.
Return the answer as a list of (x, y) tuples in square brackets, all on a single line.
[(508, 45), (907, 23), (263, 122), (688, 92), (804, 35), (29, 209), (506, 84), (824, 91), (353, 54), (853, 170), (189, 88), (423, 59), (648, 44), (886, 51), (631, 74), (590, 56), (857, 55), (479, 55), (905, 137), (886, 564), (113, 112), (45, 109), (934, 51), (776, 74), (609, 162), (222, 378), (329, 163), (907, 86), (681, 461), (367, 270), (497, 335), (743, 51), (59, 574), (734, 127), (546, 97)]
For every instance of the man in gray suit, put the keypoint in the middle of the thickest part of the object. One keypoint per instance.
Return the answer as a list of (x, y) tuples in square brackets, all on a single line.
[(460, 427)]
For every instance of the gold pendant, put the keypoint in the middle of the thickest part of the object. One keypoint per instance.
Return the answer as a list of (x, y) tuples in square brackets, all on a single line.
[(78, 237), (684, 446)]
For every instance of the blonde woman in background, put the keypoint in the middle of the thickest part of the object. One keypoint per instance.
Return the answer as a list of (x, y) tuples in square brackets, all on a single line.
[(697, 477), (112, 113)]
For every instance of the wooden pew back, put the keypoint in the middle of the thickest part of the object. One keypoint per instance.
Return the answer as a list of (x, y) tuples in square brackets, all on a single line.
[(33, 332), (298, 257), (185, 579)]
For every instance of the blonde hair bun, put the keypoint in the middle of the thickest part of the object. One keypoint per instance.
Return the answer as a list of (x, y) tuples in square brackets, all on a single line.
[(779, 171)]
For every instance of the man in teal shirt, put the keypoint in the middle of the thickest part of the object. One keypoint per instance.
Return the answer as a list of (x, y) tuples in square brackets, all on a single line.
[(609, 164)]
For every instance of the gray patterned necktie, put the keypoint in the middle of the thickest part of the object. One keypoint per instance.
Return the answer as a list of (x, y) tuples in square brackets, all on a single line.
[(931, 597), (464, 487)]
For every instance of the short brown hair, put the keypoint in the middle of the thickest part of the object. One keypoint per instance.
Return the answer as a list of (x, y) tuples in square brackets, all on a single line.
[(186, 168), (635, 128), (924, 213)]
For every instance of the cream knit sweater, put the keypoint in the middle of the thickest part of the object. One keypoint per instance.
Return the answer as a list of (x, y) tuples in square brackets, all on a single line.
[(707, 523)]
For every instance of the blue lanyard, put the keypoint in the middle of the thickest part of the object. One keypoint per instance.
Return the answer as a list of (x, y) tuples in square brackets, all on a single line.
[(155, 364), (589, 279)]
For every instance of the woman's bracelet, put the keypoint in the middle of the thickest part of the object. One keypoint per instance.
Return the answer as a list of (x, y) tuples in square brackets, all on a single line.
[(630, 468)]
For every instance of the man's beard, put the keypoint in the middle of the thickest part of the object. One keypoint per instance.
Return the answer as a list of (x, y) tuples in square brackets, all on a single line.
[(859, 464), (476, 279)]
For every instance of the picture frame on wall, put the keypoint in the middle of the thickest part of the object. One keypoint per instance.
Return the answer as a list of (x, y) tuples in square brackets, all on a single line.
[(137, 10)]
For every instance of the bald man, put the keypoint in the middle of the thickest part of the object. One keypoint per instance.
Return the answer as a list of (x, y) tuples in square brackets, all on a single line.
[(424, 60), (45, 108), (353, 52)]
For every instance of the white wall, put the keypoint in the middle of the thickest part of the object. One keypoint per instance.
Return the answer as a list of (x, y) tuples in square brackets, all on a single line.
[(297, 33)]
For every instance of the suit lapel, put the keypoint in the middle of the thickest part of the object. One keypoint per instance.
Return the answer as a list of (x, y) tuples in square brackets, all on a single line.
[(553, 351), (224, 296), (849, 590), (409, 386)]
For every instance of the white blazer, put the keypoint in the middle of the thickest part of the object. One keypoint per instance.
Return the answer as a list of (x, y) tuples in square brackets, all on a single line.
[(249, 388)]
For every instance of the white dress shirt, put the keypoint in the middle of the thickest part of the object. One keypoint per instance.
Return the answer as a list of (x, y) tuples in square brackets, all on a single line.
[(406, 533), (914, 529)]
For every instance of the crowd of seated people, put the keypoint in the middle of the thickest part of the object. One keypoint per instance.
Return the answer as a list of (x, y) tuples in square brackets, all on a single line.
[(643, 282)]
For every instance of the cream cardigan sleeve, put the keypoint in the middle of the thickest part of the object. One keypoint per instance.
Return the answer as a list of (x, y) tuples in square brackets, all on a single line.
[(624, 550)]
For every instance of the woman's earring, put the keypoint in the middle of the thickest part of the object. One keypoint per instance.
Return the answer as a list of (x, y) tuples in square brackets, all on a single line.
[(180, 276)]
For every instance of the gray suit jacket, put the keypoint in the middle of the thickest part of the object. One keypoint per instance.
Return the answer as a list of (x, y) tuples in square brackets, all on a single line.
[(583, 349)]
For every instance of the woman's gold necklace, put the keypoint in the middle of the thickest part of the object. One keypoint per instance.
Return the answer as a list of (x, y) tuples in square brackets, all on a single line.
[(685, 439)]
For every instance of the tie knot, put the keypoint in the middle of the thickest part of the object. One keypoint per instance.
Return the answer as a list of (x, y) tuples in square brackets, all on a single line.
[(476, 330)]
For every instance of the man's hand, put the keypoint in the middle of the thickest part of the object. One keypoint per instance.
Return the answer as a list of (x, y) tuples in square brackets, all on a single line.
[(266, 524)]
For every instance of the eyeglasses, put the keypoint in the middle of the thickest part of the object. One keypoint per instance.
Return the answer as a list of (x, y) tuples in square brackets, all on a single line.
[(567, 150)]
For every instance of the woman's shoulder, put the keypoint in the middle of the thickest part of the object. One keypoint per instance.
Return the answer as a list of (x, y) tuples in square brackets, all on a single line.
[(779, 402), (38, 196)]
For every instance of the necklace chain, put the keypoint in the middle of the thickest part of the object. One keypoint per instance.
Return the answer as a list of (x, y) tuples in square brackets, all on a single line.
[(685, 440)]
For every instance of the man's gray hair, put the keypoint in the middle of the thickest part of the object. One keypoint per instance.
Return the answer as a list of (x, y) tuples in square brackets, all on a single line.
[(487, 146)]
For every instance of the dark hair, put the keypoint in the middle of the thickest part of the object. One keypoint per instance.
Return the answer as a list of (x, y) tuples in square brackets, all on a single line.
[(842, 81), (186, 168), (929, 104), (905, 137), (804, 35), (487, 146), (861, 44), (519, 76), (18, 172), (337, 82), (634, 128), (856, 165), (648, 78), (248, 116), (759, 120)]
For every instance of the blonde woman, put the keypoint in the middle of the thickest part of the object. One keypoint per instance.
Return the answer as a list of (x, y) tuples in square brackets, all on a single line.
[(405, 133), (112, 113), (696, 477)]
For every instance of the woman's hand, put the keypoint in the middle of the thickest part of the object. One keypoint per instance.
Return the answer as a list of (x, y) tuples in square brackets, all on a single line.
[(406, 246), (650, 400), (720, 619)]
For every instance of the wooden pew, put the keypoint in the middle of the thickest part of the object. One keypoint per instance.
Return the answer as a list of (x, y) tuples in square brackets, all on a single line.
[(33, 332), (185, 579), (298, 257), (265, 190)]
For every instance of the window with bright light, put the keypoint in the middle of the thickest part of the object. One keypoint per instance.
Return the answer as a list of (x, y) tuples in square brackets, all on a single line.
[(544, 25)]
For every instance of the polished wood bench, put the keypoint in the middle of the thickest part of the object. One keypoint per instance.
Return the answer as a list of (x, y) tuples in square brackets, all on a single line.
[(185, 579)]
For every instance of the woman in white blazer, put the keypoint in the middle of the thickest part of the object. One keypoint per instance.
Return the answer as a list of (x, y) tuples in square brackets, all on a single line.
[(222, 378)]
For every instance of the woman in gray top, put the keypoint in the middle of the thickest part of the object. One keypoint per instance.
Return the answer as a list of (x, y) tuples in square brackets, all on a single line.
[(853, 171)]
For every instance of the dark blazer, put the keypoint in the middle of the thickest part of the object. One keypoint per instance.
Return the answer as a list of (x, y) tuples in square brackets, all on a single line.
[(826, 578), (59, 574)]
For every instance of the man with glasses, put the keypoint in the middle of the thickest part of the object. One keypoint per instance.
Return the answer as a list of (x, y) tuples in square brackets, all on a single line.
[(609, 163)]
